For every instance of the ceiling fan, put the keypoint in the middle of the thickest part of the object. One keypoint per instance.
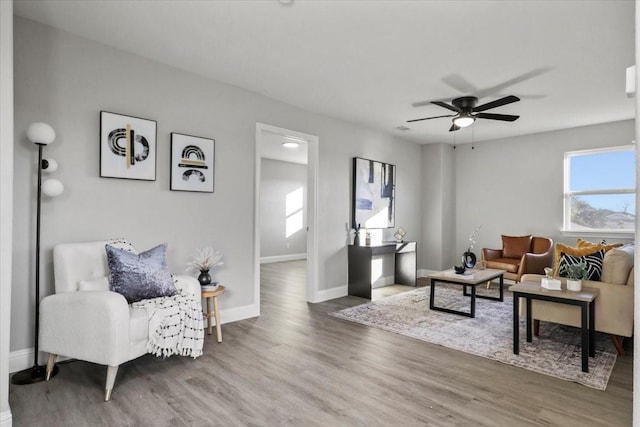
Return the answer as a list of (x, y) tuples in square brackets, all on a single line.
[(467, 112)]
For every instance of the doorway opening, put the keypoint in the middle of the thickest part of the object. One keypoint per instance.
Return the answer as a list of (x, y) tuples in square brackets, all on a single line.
[(285, 205)]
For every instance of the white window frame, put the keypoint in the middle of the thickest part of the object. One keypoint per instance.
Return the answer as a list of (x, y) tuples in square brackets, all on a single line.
[(566, 231)]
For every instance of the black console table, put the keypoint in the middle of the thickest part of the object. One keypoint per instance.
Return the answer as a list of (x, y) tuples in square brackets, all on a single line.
[(360, 265)]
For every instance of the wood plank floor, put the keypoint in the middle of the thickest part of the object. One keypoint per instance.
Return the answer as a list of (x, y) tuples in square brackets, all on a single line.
[(297, 366)]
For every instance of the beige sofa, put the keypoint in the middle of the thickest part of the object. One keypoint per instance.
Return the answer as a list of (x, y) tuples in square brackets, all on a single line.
[(614, 305)]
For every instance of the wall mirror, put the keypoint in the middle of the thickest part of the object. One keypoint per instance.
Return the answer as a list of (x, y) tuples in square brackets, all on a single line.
[(374, 188)]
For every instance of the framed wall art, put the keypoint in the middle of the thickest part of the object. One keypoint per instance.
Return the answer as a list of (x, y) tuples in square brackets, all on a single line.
[(374, 190), (192, 163), (127, 147)]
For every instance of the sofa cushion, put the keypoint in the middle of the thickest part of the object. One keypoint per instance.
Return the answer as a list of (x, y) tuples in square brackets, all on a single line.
[(97, 284), (569, 250), (593, 261), (508, 264), (515, 246), (138, 324), (580, 243), (617, 265), (139, 276), (122, 243)]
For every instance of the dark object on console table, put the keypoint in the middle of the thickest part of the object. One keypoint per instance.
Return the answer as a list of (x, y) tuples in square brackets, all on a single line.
[(360, 265)]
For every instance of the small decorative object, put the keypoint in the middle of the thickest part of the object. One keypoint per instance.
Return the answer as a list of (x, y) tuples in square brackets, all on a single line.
[(575, 274), (367, 239), (469, 258), (204, 278), (192, 163), (399, 234), (204, 260), (459, 270), (548, 272), (356, 237), (551, 284), (127, 147)]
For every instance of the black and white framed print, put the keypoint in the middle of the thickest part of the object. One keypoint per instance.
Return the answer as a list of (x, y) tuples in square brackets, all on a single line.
[(192, 163), (374, 189), (127, 147)]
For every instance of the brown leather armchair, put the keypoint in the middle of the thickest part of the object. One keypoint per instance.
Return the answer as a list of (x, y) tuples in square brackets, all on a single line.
[(520, 255)]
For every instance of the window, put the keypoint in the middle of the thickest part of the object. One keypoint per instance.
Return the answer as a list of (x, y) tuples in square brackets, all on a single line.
[(600, 191)]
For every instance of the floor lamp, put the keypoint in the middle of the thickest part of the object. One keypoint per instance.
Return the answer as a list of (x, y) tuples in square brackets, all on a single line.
[(40, 134)]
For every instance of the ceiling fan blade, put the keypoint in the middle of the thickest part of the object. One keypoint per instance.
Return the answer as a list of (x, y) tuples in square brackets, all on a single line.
[(447, 106), (503, 117), (497, 103), (453, 128), (429, 118)]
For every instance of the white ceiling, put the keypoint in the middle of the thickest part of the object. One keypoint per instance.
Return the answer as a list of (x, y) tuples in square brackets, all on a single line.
[(368, 61)]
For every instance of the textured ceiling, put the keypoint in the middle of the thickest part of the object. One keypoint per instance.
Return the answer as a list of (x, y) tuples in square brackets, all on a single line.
[(371, 62)]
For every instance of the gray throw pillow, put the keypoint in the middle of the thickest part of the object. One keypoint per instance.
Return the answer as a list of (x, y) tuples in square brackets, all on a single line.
[(139, 276)]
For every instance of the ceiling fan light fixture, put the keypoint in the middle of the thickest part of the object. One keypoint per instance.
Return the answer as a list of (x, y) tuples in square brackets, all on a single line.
[(463, 121)]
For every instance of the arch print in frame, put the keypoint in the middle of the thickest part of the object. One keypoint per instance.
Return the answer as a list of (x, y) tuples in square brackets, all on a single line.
[(192, 163)]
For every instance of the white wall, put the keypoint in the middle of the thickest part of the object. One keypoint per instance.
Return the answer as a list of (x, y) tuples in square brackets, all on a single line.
[(278, 180), (66, 80), (514, 186), (6, 200), (438, 206)]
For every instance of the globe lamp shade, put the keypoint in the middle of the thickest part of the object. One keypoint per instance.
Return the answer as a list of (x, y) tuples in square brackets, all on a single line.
[(41, 133), (52, 187), (49, 165)]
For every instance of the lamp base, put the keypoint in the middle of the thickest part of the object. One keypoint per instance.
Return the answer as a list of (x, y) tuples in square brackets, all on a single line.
[(32, 375)]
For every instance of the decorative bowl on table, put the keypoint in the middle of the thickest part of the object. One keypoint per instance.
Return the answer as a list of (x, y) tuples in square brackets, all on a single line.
[(459, 270)]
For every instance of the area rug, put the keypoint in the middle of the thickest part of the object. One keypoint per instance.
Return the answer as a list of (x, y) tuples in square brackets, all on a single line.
[(556, 352)]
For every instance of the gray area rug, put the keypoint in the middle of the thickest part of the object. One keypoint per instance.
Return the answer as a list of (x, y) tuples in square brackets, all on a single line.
[(556, 352)]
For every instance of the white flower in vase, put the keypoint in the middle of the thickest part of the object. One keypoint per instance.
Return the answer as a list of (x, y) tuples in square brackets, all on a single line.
[(204, 260)]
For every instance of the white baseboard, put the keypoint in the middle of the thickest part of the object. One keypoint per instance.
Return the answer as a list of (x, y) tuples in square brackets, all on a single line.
[(23, 359), (6, 419), (281, 258), (425, 273), (239, 313), (383, 281), (328, 294), (20, 359)]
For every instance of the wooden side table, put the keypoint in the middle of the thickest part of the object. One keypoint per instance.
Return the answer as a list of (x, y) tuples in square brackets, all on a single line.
[(209, 296)]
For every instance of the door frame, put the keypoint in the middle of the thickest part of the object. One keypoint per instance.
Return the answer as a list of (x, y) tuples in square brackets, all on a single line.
[(312, 208)]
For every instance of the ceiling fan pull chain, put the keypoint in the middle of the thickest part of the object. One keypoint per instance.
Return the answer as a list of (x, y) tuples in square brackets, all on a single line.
[(473, 138)]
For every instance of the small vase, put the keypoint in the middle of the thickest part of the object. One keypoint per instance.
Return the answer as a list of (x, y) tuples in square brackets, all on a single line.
[(469, 259), (204, 278), (574, 285), (356, 239)]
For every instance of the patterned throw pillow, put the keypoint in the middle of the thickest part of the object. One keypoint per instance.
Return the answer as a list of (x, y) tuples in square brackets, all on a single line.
[(139, 276), (122, 243), (570, 250), (593, 261), (595, 246)]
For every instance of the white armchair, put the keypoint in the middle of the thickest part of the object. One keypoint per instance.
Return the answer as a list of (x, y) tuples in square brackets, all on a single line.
[(96, 325)]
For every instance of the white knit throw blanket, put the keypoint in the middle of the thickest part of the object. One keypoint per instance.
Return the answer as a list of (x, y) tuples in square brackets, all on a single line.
[(175, 325)]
